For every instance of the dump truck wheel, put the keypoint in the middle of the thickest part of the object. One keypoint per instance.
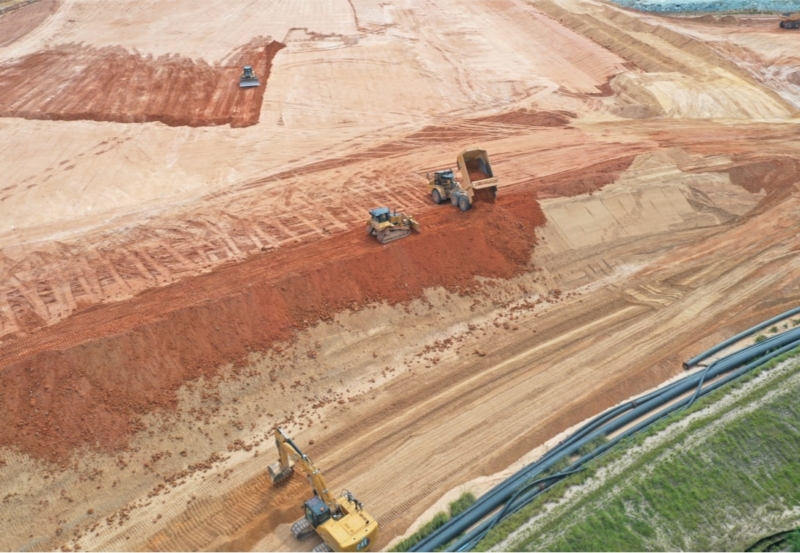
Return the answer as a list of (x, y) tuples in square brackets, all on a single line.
[(436, 197), (463, 203)]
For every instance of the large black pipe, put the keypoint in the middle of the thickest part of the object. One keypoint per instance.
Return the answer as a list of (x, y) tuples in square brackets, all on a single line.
[(500, 494), (744, 334), (467, 541)]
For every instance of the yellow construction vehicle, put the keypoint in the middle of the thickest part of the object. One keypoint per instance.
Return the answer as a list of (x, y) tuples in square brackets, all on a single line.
[(476, 178), (387, 226), (790, 21), (341, 522)]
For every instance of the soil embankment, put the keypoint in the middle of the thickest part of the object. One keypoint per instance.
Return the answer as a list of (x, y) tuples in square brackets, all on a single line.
[(86, 380), (19, 20), (112, 84)]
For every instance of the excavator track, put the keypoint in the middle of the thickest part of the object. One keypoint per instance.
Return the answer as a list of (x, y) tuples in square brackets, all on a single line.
[(302, 529)]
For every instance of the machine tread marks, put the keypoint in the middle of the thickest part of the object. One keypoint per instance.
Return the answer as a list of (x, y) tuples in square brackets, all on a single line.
[(302, 529)]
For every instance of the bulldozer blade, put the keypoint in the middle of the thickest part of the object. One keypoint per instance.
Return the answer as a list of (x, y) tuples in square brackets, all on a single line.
[(249, 83)]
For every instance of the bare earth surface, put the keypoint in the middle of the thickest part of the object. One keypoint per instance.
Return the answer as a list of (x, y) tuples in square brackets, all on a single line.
[(183, 264)]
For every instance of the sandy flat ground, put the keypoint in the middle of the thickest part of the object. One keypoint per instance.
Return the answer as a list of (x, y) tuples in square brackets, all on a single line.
[(173, 289)]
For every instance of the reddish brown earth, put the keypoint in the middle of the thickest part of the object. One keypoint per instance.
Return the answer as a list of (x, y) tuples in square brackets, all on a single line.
[(22, 20), (57, 390), (111, 84), (584, 180), (531, 118)]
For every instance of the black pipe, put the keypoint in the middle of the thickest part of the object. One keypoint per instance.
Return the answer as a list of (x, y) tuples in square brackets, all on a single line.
[(744, 334), (517, 502), (500, 494)]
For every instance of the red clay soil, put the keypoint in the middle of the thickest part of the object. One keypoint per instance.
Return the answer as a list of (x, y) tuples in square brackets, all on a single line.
[(111, 84), (585, 180), (17, 23), (86, 380), (775, 175), (531, 118)]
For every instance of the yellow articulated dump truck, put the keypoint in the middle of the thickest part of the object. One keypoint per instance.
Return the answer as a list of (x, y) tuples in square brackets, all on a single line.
[(477, 180), (790, 21), (341, 522)]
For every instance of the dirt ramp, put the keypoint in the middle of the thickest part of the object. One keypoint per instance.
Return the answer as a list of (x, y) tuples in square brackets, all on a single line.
[(111, 84), (91, 376)]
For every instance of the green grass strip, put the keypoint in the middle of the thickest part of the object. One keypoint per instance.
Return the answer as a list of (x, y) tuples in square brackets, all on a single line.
[(697, 497)]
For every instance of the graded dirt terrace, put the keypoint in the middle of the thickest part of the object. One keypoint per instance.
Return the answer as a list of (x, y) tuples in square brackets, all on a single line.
[(110, 84), (171, 293)]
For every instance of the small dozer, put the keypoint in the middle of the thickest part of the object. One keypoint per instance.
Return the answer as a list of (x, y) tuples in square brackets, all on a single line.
[(790, 21), (388, 227), (477, 179), (341, 522), (248, 79)]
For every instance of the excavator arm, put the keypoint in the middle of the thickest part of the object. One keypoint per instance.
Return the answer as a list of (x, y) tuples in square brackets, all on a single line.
[(290, 456)]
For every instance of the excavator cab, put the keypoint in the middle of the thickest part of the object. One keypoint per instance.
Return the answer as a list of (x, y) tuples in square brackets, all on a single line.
[(317, 511)]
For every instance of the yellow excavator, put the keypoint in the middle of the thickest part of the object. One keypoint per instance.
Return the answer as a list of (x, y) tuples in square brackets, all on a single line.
[(341, 522)]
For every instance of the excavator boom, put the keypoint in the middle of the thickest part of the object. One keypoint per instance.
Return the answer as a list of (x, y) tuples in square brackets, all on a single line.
[(291, 455), (341, 522)]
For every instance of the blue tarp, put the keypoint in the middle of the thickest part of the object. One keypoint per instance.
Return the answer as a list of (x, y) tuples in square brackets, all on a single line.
[(755, 6)]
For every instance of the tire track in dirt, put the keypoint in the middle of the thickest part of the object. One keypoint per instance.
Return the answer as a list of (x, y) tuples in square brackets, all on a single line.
[(234, 521), (111, 84)]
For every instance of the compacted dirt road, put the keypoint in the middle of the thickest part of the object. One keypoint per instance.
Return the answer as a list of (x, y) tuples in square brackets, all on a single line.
[(184, 264)]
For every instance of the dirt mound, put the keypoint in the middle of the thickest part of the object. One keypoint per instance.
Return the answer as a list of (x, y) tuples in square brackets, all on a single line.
[(85, 381), (777, 176), (584, 180), (531, 118), (111, 84)]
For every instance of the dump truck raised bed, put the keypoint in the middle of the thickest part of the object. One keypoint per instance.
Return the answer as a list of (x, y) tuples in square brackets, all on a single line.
[(477, 180)]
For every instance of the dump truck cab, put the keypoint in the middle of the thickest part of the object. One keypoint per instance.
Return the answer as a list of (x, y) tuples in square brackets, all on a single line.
[(444, 178), (442, 185)]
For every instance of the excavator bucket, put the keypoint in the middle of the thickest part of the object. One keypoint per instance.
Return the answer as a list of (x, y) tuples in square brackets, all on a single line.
[(248, 79), (278, 474)]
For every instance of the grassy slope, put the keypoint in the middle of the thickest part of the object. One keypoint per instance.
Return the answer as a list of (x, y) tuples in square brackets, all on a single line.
[(725, 479)]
